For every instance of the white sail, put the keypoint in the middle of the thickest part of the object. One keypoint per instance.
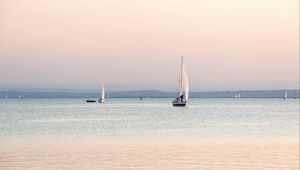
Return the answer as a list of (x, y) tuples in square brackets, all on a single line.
[(186, 85), (286, 95), (102, 92), (102, 95), (184, 82)]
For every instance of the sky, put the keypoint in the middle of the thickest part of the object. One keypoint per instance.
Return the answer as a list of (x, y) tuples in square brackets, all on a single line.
[(137, 44)]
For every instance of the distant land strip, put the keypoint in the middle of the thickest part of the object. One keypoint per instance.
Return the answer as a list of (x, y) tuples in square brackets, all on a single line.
[(147, 93)]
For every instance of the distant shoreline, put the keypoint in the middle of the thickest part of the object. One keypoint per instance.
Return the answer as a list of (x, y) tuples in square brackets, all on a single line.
[(149, 98), (148, 94)]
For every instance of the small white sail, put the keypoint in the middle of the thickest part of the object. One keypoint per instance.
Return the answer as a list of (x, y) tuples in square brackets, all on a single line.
[(102, 95), (237, 95), (186, 85), (102, 92), (286, 95)]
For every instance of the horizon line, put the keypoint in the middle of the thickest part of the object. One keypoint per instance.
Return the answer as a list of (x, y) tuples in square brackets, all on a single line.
[(133, 90)]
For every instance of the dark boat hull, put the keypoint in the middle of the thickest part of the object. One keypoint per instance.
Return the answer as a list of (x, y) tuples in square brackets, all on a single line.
[(90, 101), (179, 103)]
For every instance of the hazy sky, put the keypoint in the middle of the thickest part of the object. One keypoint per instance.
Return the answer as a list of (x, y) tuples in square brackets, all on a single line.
[(232, 44)]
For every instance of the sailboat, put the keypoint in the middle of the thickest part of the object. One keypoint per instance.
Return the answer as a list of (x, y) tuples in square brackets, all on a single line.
[(285, 95), (181, 101), (237, 96), (102, 95)]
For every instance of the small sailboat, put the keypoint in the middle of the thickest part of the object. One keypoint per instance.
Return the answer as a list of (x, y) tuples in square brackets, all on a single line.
[(181, 101), (237, 96), (102, 95), (285, 95)]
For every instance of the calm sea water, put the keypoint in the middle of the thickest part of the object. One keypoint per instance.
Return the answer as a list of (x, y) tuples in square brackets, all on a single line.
[(149, 119), (149, 134)]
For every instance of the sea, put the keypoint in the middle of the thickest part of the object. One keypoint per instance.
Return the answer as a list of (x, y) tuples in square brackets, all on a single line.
[(129, 133)]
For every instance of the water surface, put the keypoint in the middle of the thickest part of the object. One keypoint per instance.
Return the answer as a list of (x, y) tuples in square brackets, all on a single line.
[(149, 134)]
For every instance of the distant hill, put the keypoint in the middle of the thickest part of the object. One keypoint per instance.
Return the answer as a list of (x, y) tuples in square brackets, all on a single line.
[(146, 93)]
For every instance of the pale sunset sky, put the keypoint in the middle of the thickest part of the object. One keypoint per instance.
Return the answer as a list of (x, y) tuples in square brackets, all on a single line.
[(137, 44)]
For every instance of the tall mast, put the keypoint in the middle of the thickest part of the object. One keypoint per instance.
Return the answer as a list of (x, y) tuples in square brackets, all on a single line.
[(100, 92), (181, 76)]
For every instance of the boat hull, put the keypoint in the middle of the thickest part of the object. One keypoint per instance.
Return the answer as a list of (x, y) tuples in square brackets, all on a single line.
[(100, 100), (90, 101), (179, 103)]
